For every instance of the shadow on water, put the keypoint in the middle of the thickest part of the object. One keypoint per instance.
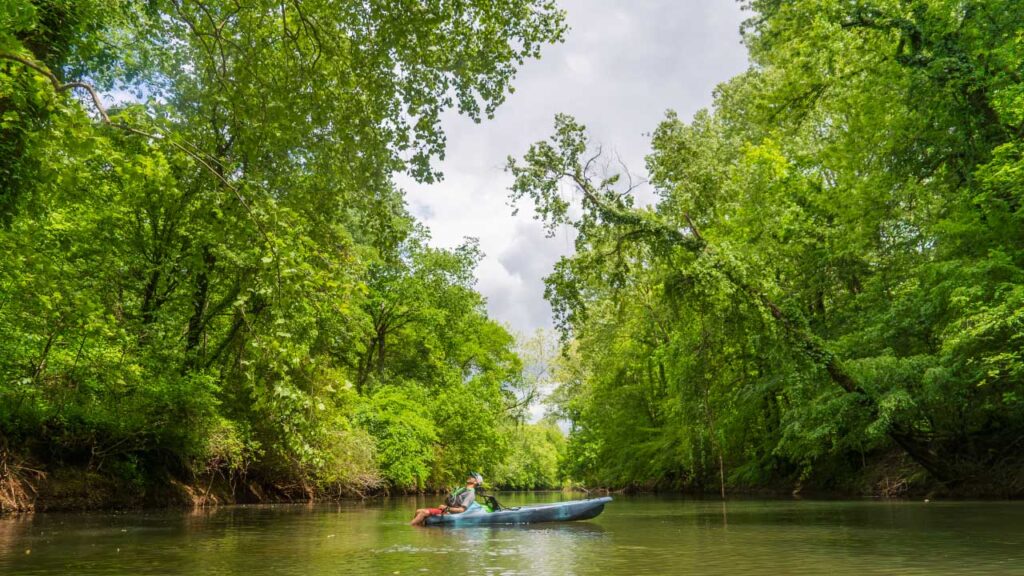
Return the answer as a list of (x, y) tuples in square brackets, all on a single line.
[(551, 528), (569, 528)]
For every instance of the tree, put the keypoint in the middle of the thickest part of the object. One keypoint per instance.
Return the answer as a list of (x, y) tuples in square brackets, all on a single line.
[(192, 262), (821, 244)]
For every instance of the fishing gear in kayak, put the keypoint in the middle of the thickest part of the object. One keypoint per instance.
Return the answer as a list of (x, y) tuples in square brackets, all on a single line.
[(490, 503)]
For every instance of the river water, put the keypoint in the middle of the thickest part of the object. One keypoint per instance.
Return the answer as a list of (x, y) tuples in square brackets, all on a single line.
[(635, 535)]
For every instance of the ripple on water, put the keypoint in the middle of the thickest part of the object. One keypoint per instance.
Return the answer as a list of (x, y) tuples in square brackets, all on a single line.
[(642, 535)]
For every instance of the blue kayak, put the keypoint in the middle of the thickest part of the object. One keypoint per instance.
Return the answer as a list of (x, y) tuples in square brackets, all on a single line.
[(556, 512)]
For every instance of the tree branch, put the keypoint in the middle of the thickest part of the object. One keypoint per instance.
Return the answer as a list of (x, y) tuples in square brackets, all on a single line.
[(810, 344), (57, 84), (197, 156)]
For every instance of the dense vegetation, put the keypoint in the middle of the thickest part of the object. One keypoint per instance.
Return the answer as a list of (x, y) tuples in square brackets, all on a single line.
[(208, 277), (828, 291), (213, 277)]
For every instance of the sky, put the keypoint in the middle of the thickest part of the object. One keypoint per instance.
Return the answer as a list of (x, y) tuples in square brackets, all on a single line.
[(624, 63)]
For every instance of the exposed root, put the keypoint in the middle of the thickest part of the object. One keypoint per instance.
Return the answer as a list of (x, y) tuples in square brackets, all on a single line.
[(17, 484), (891, 487)]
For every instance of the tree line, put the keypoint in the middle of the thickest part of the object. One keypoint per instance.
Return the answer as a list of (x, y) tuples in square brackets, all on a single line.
[(206, 269), (828, 290), (209, 277)]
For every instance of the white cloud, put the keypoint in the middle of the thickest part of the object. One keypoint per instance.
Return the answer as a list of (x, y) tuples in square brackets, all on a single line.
[(624, 63), (580, 67)]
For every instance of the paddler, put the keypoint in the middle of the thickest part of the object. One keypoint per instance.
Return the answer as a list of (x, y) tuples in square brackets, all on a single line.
[(456, 502)]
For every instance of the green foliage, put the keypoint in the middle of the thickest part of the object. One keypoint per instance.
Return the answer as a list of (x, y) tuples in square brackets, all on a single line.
[(534, 459), (223, 278), (405, 435), (832, 270)]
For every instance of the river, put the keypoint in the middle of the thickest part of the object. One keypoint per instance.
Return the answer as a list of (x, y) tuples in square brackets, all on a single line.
[(635, 535)]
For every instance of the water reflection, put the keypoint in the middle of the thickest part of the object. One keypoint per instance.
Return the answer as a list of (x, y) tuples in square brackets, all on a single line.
[(642, 535), (522, 549)]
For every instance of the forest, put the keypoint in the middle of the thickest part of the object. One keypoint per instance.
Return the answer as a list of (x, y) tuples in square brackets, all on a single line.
[(828, 291), (212, 290), (214, 285)]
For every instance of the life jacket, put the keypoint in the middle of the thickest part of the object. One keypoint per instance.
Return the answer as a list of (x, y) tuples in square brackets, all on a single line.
[(450, 500)]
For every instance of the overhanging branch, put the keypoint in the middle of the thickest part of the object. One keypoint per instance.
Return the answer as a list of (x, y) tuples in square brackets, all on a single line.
[(57, 84), (206, 162), (810, 344)]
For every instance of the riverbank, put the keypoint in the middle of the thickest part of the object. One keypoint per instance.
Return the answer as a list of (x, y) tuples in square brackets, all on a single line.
[(68, 489), (27, 486), (77, 489)]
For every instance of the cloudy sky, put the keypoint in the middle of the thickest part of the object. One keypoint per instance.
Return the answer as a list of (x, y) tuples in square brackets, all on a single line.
[(623, 64)]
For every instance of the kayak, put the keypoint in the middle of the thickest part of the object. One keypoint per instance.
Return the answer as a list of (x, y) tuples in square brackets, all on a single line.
[(557, 512)]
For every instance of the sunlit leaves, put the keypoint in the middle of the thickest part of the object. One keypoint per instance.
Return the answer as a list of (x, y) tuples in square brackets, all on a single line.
[(203, 273), (859, 191)]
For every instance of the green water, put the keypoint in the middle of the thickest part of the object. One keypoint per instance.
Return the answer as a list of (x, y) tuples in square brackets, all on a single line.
[(635, 535)]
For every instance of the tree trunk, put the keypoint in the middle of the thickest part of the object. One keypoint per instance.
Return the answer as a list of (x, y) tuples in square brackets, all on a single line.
[(381, 336), (200, 301)]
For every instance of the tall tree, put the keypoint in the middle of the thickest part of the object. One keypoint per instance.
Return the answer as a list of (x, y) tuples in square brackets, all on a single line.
[(185, 267), (833, 265)]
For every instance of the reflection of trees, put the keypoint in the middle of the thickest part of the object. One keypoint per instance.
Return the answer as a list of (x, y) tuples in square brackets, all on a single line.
[(540, 548), (348, 537), (13, 530)]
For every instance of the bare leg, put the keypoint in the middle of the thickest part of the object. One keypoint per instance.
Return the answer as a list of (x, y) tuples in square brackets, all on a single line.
[(421, 515)]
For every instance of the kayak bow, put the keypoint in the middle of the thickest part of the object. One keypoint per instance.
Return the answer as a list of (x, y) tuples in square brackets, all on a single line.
[(556, 512)]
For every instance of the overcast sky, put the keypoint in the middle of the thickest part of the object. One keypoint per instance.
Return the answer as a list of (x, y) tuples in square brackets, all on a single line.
[(623, 64)]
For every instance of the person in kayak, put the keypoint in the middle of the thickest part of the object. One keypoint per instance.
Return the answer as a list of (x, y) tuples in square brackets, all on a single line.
[(456, 502)]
